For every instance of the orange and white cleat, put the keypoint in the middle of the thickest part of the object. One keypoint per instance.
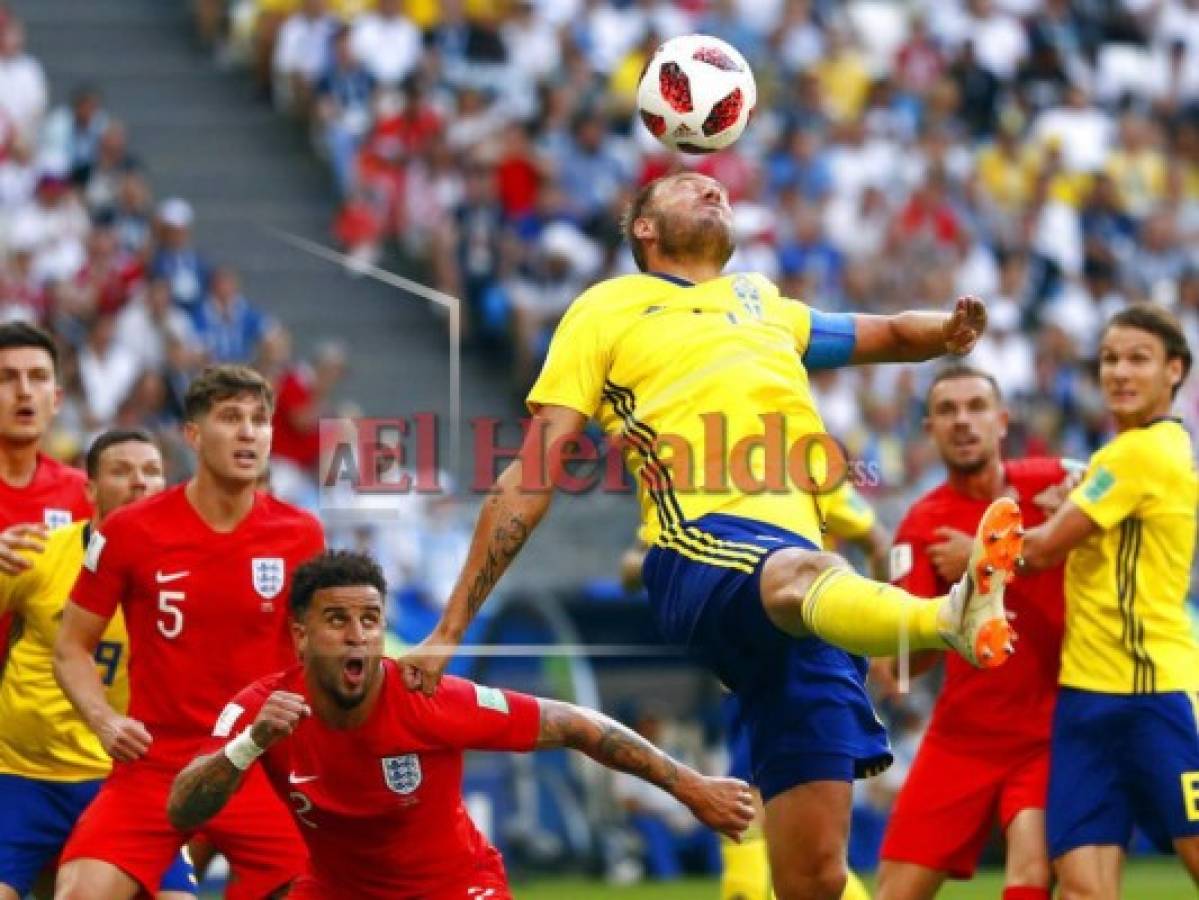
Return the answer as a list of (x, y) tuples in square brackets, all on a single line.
[(973, 620)]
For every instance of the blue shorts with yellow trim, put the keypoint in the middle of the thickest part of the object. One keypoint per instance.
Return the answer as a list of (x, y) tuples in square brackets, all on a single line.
[(35, 819), (1120, 760), (803, 702)]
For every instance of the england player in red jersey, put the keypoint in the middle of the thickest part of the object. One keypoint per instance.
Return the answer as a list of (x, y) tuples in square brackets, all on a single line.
[(373, 771), (986, 754), (201, 572), (37, 492)]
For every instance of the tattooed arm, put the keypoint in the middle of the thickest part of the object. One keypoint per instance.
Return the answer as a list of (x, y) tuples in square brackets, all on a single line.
[(518, 501), (203, 788), (724, 804)]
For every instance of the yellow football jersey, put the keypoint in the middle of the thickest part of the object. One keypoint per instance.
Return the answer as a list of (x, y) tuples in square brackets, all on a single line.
[(705, 387), (41, 735), (1127, 630)]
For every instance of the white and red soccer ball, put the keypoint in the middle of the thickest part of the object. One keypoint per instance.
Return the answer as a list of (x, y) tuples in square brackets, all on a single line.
[(696, 94)]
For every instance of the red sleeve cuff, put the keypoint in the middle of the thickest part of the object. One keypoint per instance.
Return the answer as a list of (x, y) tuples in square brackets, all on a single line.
[(526, 720)]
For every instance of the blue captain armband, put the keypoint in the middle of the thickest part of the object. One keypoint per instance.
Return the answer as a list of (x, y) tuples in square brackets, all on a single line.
[(832, 341)]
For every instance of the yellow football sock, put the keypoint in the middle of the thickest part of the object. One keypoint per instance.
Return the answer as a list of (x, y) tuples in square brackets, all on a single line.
[(854, 889), (746, 871), (868, 617)]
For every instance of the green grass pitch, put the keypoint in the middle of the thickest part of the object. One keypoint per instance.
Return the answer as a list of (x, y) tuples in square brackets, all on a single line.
[(1159, 879)]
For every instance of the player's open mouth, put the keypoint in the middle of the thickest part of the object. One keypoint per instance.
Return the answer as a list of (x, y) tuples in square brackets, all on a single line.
[(245, 456), (353, 669), (26, 414)]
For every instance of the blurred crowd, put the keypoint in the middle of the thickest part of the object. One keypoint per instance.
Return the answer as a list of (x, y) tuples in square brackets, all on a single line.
[(89, 252), (1043, 154)]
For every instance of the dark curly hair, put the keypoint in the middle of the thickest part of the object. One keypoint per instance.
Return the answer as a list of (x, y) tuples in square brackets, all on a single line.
[(334, 568)]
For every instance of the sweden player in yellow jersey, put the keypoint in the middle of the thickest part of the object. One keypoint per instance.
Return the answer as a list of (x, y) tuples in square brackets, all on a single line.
[(692, 370), (51, 764), (1125, 735)]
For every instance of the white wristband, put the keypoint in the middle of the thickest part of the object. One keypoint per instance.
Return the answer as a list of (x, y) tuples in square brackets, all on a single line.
[(242, 751)]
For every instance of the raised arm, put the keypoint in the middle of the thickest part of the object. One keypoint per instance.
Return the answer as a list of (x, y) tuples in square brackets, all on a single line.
[(723, 804), (918, 336), (506, 519), (205, 785), (123, 738)]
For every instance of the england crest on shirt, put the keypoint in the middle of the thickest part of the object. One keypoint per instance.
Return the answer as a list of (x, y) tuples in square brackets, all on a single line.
[(268, 575), (402, 773), (56, 518)]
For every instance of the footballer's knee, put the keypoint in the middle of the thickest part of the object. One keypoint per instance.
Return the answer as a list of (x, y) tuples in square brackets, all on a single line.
[(823, 878), (786, 578), (1075, 886), (86, 879)]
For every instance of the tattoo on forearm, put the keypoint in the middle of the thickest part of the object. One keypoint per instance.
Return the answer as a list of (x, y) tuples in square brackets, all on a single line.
[(607, 742), (623, 749), (506, 541), (202, 790)]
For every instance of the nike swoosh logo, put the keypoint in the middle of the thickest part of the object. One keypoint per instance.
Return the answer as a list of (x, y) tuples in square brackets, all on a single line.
[(293, 778), (164, 578)]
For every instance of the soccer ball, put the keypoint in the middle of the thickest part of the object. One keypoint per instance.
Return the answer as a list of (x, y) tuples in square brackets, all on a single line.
[(696, 94)]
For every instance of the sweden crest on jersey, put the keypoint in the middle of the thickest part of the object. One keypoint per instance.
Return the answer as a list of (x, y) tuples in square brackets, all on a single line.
[(747, 293), (402, 773)]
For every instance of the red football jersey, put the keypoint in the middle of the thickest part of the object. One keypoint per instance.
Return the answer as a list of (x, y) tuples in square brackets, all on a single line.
[(56, 496), (979, 708), (206, 611), (380, 805)]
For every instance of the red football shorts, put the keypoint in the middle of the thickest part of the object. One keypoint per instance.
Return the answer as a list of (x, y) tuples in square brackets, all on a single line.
[(945, 811), (126, 825)]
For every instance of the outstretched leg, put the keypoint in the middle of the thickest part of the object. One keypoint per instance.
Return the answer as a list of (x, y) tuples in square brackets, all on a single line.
[(810, 592)]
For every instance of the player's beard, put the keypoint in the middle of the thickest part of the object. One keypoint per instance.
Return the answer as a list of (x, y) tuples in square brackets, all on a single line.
[(969, 467), (699, 237)]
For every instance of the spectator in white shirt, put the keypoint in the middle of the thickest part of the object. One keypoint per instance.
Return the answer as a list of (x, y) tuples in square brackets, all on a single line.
[(999, 39), (1084, 132), (533, 42), (55, 224), (23, 92), (71, 135), (150, 321), (1005, 351), (18, 175), (107, 370), (387, 43), (301, 54)]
